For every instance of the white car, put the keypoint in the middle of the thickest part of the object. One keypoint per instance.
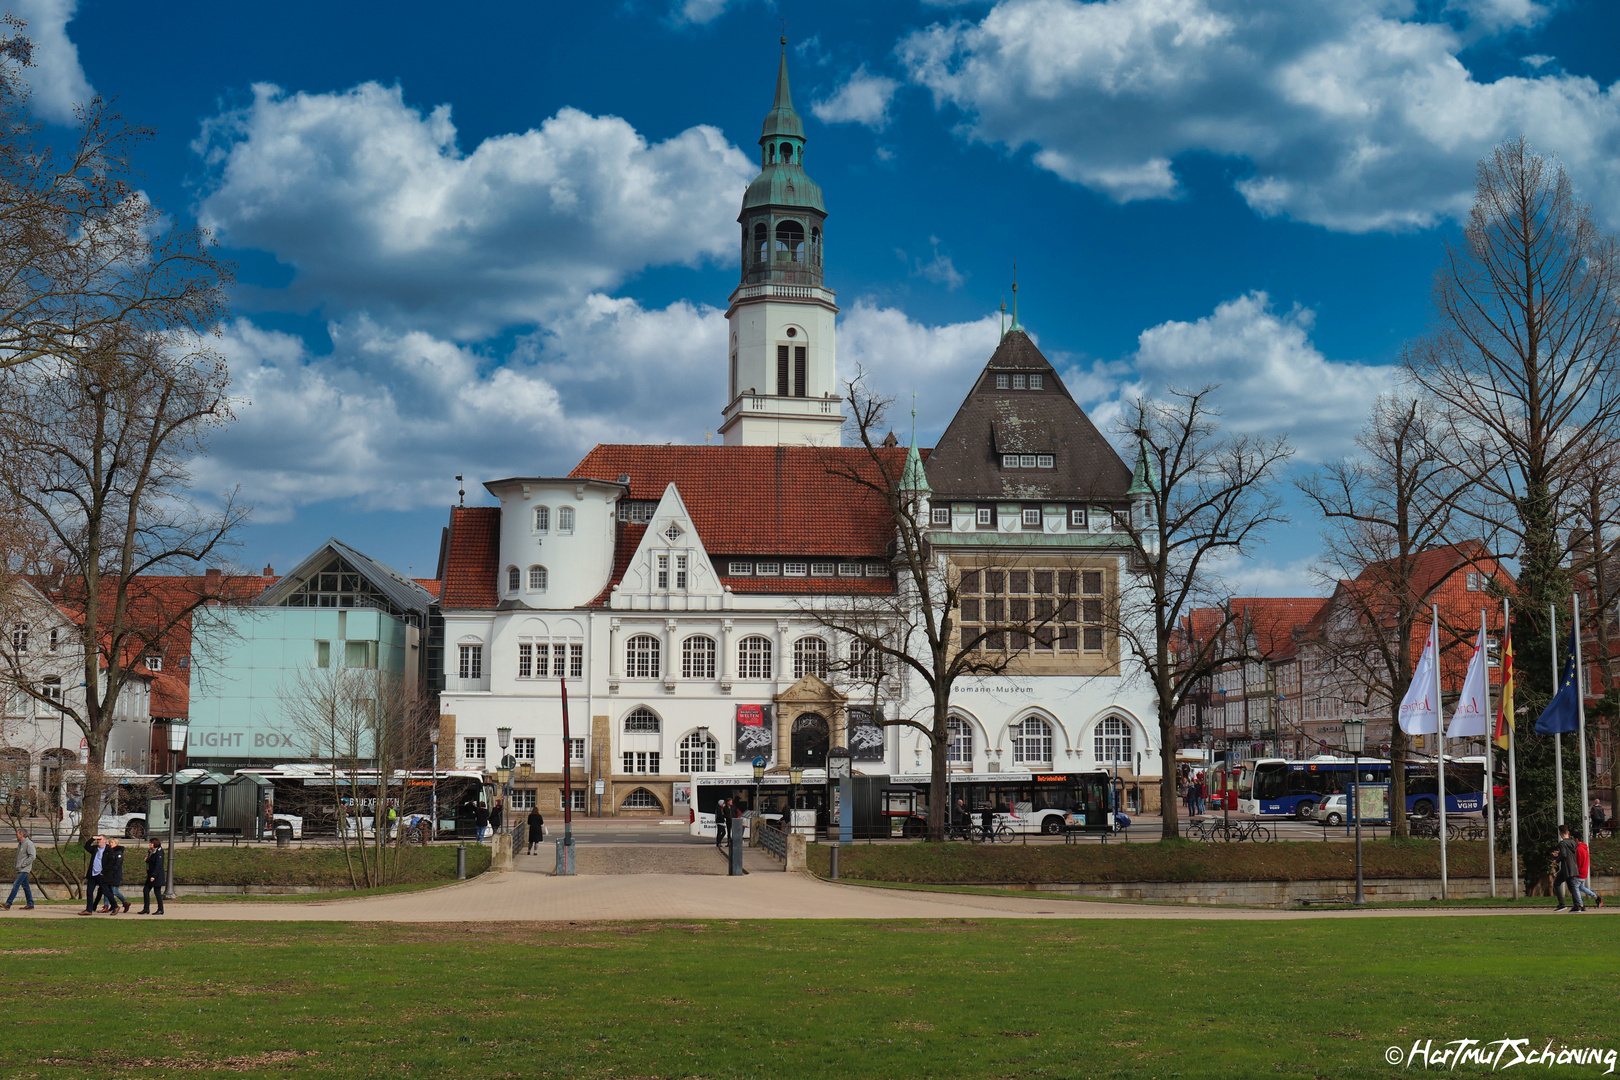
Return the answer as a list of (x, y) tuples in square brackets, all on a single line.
[(1333, 809)]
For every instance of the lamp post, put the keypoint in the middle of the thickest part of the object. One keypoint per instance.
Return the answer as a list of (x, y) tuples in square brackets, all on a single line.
[(759, 777), (1355, 740), (177, 746), (503, 775), (433, 826), (795, 774)]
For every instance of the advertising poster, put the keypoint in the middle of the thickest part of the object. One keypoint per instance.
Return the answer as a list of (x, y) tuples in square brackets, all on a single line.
[(865, 733), (756, 733)]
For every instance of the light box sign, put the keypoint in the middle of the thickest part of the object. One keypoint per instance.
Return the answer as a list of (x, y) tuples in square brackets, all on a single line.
[(865, 733), (756, 731)]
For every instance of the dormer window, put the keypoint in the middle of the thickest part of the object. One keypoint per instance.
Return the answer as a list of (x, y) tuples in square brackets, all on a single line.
[(1018, 382), (1035, 382), (154, 663), (1002, 382)]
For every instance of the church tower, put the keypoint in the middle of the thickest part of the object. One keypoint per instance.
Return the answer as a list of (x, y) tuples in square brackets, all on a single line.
[(783, 388)]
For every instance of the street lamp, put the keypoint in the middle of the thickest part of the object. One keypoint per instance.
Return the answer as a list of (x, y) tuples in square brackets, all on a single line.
[(795, 774), (759, 777), (433, 827), (1355, 740), (503, 775), (177, 746)]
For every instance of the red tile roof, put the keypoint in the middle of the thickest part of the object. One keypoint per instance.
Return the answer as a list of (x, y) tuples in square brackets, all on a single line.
[(624, 548), (432, 585), (763, 500), (472, 558)]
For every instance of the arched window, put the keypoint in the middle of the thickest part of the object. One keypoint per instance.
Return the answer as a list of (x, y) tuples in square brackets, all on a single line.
[(19, 637), (641, 721), (699, 752), (1032, 742), (1113, 741), (808, 741), (565, 519), (542, 518), (754, 658), (959, 751), (641, 799), (697, 657), (787, 153), (514, 580), (790, 242), (537, 579), (641, 657), (762, 246), (810, 658)]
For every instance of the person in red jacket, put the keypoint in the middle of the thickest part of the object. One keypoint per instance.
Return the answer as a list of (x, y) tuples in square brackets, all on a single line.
[(1583, 873)]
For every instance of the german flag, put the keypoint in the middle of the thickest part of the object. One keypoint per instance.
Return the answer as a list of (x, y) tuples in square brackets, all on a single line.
[(1504, 700)]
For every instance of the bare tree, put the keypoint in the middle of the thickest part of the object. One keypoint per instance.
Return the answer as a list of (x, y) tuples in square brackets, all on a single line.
[(1526, 350), (1209, 497), (83, 252), (356, 721), (96, 464), (1402, 495), (918, 630), (1594, 563)]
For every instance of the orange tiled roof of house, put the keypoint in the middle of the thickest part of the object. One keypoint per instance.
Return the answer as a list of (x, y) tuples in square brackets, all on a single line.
[(432, 585), (762, 500), (472, 557)]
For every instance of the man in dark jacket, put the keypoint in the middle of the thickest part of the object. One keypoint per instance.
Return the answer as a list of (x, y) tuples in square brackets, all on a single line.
[(987, 823), (154, 877), (1567, 871), (96, 848), (536, 830), (112, 876)]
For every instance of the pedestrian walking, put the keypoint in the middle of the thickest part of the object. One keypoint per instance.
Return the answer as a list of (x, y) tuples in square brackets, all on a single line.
[(960, 819), (722, 821), (1583, 872), (23, 864), (96, 848), (987, 824), (112, 876), (154, 877), (1565, 854), (537, 830), (1599, 818), (1203, 794), (497, 817), (480, 819)]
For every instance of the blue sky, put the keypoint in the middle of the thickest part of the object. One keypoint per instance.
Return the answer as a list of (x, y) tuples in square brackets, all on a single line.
[(480, 238)]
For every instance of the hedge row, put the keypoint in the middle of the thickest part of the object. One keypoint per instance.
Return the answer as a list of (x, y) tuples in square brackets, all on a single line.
[(268, 865)]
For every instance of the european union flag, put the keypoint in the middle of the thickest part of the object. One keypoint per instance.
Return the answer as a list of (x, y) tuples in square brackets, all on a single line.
[(1561, 715)]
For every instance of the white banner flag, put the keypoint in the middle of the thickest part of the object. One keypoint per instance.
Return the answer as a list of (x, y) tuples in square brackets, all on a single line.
[(1469, 719), (1420, 713)]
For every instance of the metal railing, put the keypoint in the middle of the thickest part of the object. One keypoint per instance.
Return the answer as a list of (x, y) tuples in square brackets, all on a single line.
[(773, 839)]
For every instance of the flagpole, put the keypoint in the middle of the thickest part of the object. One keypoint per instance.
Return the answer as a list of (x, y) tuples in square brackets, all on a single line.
[(1513, 766), (1440, 737), (1558, 736), (1580, 712), (1490, 758)]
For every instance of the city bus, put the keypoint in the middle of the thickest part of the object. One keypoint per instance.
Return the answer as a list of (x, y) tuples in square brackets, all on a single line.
[(317, 793), (1278, 787), (897, 805)]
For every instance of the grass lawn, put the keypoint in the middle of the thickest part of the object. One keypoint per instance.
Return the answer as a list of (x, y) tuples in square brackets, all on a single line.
[(792, 999), (264, 864), (1175, 860)]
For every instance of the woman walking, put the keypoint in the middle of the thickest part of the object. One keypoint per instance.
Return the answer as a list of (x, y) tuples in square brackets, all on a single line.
[(537, 830), (154, 878), (112, 876)]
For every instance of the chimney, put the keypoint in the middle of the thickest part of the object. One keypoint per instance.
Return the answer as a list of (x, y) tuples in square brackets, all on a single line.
[(211, 572), (269, 571)]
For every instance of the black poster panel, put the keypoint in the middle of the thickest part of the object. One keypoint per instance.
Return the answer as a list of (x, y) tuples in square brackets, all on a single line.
[(865, 733), (755, 733)]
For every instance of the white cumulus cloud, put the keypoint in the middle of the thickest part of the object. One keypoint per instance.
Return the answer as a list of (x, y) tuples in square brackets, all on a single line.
[(1354, 114), (1273, 380), (863, 99), (376, 208), (57, 80)]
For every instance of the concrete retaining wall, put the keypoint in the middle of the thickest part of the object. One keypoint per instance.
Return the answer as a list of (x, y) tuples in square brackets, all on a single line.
[(1289, 893)]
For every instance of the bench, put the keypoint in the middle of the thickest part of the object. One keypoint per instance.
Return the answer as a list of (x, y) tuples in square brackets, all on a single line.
[(200, 831), (1073, 834), (1314, 901)]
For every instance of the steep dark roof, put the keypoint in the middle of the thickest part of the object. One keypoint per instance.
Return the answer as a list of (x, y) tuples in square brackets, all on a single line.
[(472, 555), (966, 462)]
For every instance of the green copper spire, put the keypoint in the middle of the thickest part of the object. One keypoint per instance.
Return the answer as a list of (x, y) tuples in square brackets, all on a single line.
[(1144, 481), (783, 119), (914, 478)]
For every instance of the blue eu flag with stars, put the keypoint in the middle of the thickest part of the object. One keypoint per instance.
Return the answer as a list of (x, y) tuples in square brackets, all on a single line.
[(1562, 714)]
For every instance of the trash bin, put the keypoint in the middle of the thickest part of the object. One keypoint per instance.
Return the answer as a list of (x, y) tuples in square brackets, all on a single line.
[(283, 834)]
